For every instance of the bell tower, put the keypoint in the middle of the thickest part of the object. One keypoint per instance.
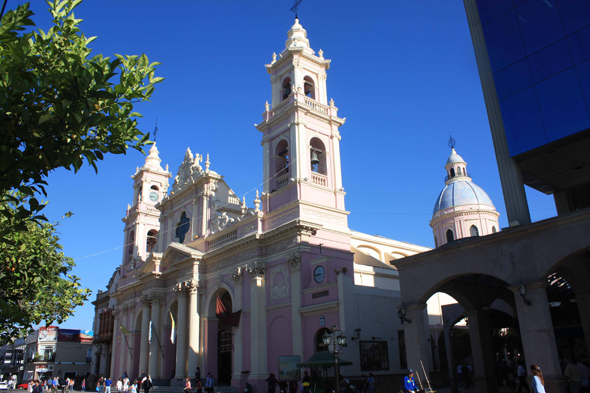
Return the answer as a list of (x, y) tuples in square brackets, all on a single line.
[(301, 140), (142, 221)]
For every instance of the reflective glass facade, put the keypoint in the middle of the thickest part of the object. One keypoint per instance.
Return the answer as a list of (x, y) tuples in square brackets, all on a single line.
[(539, 51)]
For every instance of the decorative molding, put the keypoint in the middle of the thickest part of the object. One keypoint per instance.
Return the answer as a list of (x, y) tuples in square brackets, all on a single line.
[(281, 245), (237, 275), (201, 287), (256, 269), (279, 289), (247, 229), (156, 298), (255, 252), (188, 172), (145, 300), (285, 217), (324, 216), (294, 260)]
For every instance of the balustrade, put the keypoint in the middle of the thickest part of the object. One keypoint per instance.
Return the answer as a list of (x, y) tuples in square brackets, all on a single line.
[(319, 179), (223, 238), (282, 181)]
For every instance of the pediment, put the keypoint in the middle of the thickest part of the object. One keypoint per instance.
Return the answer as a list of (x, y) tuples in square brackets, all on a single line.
[(157, 263)]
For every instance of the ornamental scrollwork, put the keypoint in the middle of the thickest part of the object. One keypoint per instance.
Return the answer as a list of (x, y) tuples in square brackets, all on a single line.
[(257, 269), (188, 172), (294, 260)]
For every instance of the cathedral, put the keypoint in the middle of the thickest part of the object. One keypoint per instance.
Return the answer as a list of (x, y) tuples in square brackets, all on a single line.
[(207, 281)]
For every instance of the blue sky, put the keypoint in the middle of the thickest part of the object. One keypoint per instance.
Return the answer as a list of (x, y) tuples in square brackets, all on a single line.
[(402, 73)]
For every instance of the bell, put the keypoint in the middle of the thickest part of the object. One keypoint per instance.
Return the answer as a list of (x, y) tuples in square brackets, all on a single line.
[(314, 158)]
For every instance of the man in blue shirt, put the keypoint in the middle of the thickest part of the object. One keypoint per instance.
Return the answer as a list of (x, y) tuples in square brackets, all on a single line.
[(409, 384), (107, 385)]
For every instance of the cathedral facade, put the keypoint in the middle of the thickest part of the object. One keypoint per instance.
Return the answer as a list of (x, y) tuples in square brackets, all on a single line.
[(208, 282)]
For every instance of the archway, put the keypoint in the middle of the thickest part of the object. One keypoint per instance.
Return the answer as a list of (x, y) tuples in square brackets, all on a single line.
[(224, 345)]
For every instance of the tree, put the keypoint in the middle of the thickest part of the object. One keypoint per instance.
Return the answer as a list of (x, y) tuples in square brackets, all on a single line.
[(36, 281), (59, 108)]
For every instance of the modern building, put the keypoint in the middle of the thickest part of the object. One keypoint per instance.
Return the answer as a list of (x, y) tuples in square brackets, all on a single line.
[(533, 59), (206, 281), (12, 359), (55, 352)]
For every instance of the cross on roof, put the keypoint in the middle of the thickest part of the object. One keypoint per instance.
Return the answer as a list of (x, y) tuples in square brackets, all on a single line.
[(296, 7)]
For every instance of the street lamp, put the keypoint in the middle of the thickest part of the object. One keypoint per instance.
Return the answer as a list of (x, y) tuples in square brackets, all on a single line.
[(335, 340)]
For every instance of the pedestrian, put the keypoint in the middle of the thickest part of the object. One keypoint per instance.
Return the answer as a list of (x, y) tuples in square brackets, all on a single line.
[(125, 384), (459, 374), (119, 385), (71, 387), (306, 382), (573, 376), (187, 385), (84, 385), (521, 374), (409, 384), (198, 373), (146, 384), (209, 383), (585, 375), (107, 385), (125, 375), (371, 383), (143, 375), (538, 383), (199, 385), (133, 388), (466, 376), (272, 383)]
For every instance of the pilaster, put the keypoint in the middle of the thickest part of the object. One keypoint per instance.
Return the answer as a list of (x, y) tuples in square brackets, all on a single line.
[(258, 336), (154, 370), (181, 327), (294, 261), (114, 345), (145, 327), (238, 361), (196, 290)]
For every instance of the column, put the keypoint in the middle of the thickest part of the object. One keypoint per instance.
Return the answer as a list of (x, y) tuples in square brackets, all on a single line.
[(296, 169), (194, 308), (181, 325), (450, 360), (295, 264), (154, 370), (145, 332), (482, 352), (122, 345), (114, 345), (536, 331), (238, 360), (204, 207), (583, 301), (194, 222), (129, 344), (417, 346), (266, 163), (257, 321)]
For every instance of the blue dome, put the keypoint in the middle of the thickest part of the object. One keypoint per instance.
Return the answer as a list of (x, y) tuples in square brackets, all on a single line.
[(461, 192)]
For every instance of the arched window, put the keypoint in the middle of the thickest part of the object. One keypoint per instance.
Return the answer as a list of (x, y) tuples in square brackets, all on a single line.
[(473, 231), (450, 236), (152, 239), (452, 172), (435, 242), (286, 88), (317, 155), (182, 227), (494, 230), (458, 171), (154, 188), (319, 343), (281, 158), (130, 244), (139, 192), (309, 87)]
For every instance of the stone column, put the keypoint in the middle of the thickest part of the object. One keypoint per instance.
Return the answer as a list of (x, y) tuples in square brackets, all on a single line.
[(482, 352), (295, 264), (257, 321), (583, 301), (536, 331), (450, 360), (238, 360), (122, 344), (196, 292), (417, 335), (145, 333), (154, 370), (180, 291), (266, 163), (114, 345), (130, 337)]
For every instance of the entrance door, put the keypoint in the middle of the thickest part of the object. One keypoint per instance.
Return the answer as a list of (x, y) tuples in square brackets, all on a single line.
[(224, 365)]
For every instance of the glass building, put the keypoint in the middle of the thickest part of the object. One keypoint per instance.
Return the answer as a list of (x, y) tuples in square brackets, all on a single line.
[(533, 58)]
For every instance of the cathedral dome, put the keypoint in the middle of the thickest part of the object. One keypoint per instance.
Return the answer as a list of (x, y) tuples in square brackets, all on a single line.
[(461, 192), (454, 158)]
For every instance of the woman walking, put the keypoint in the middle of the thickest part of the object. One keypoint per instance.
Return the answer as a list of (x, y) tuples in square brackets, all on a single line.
[(146, 384), (187, 385), (538, 381)]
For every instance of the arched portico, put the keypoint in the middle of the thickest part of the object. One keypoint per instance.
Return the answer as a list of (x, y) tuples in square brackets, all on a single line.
[(524, 255)]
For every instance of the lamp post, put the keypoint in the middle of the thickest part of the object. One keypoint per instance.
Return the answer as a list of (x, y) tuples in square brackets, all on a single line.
[(335, 340)]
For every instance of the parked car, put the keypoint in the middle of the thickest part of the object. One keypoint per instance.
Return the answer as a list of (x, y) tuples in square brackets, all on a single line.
[(24, 385), (3, 385)]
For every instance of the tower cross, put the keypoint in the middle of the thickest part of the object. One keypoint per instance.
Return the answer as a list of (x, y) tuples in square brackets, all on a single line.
[(296, 7)]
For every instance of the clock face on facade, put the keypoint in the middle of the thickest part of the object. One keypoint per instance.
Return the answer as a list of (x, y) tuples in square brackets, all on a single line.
[(153, 196), (318, 274)]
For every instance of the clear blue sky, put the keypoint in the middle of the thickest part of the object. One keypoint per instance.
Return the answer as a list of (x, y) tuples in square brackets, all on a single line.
[(403, 74)]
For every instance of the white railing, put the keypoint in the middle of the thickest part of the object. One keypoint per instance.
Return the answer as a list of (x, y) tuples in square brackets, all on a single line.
[(224, 238), (282, 181), (320, 180), (233, 199), (280, 108), (316, 105)]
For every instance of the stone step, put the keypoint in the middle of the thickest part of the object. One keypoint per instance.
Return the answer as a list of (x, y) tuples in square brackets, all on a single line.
[(179, 389)]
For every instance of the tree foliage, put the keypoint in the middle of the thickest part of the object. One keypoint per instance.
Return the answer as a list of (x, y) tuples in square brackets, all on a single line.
[(36, 282), (59, 107)]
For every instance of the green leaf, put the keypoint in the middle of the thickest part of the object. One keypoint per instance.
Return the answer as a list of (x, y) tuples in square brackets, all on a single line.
[(45, 118)]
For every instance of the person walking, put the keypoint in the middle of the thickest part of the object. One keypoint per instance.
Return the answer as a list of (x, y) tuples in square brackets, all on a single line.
[(187, 385), (199, 385), (371, 383), (146, 384), (107, 385), (84, 385), (538, 383), (209, 383), (119, 385), (272, 383), (459, 374), (125, 384), (521, 374), (198, 373), (573, 376), (409, 384)]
